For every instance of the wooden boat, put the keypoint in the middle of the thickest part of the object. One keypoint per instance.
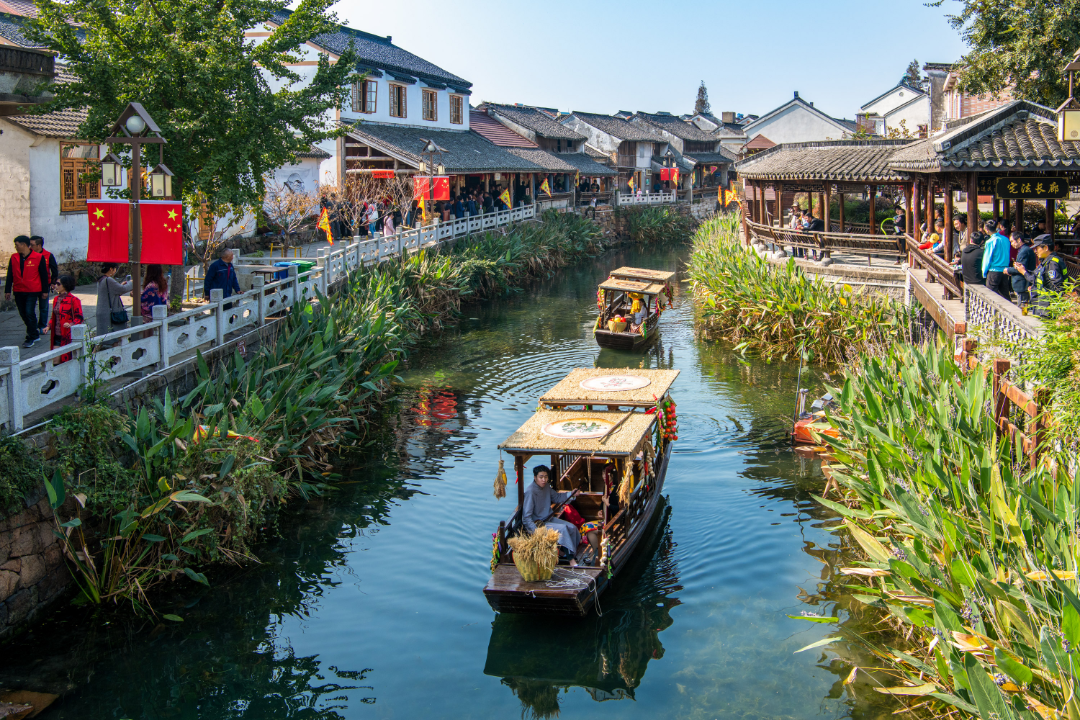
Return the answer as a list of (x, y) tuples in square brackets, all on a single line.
[(614, 300), (590, 419), (807, 424)]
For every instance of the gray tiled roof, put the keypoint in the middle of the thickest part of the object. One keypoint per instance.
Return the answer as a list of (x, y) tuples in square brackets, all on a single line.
[(466, 151), (315, 152), (835, 160), (586, 165), (677, 127), (716, 158), (594, 153), (59, 124), (536, 120), (1018, 135), (378, 52), (618, 128), (548, 161), (11, 30)]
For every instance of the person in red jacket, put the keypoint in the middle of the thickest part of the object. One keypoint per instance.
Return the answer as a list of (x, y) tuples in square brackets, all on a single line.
[(37, 244), (66, 312), (28, 280)]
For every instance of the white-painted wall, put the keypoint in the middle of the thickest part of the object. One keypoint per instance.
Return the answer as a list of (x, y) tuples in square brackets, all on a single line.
[(14, 186), (599, 140), (913, 115), (645, 156), (414, 107), (894, 99), (796, 123)]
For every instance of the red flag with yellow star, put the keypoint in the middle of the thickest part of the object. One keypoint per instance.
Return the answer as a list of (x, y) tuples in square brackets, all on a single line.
[(162, 232), (108, 239)]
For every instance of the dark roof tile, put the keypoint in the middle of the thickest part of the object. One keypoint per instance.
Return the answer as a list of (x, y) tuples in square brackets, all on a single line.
[(835, 160), (496, 132), (677, 127), (539, 121), (619, 128), (59, 124), (466, 151)]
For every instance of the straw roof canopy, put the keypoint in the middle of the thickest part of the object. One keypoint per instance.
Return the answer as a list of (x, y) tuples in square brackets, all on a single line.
[(645, 288), (625, 441), (570, 392), (660, 276)]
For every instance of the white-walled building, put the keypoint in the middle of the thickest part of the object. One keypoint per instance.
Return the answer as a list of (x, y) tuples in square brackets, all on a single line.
[(900, 109), (798, 121), (629, 147)]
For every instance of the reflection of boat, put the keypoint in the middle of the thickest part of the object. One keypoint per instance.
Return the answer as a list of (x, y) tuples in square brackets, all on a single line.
[(615, 299), (583, 427), (538, 657)]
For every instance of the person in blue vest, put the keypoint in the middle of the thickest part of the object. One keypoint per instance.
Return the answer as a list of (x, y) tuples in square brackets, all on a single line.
[(996, 260), (221, 276)]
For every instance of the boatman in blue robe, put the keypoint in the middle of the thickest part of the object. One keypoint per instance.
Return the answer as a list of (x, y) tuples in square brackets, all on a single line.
[(539, 497)]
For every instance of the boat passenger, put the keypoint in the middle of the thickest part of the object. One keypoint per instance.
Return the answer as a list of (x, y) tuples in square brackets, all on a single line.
[(639, 311), (539, 497)]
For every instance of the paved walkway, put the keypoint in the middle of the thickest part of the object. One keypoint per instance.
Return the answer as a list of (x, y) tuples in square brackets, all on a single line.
[(13, 332)]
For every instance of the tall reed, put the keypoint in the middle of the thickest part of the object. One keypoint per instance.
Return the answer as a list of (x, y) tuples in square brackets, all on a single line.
[(777, 311)]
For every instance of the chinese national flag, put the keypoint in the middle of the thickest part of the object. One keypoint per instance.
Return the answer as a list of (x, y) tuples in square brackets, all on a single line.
[(421, 187), (108, 239), (162, 232)]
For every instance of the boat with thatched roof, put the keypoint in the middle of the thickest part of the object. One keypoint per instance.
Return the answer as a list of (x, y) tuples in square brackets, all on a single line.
[(628, 292), (606, 434)]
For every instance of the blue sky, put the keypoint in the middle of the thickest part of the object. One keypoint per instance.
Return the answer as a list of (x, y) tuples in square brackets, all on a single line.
[(604, 56)]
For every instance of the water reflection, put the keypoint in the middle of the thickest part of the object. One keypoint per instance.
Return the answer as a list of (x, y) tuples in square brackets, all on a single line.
[(606, 654)]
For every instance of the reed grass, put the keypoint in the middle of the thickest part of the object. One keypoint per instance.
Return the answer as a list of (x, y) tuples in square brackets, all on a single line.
[(968, 552), (538, 549), (777, 311)]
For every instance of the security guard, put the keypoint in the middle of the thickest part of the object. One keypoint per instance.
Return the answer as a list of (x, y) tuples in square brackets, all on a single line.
[(1049, 276)]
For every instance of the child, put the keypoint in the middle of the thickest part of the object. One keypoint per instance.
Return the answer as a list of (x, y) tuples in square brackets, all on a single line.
[(66, 312)]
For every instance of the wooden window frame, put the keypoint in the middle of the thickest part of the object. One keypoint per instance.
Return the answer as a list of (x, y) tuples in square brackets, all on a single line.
[(425, 94), (403, 106), (73, 192), (355, 96), (373, 96), (459, 100)]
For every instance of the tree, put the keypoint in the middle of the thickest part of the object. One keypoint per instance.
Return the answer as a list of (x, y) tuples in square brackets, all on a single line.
[(209, 89), (913, 75), (1017, 47), (701, 105)]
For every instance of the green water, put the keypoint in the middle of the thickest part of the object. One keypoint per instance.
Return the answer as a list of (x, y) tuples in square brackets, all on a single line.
[(369, 604)]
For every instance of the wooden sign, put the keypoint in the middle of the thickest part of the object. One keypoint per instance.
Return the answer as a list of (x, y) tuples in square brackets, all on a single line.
[(987, 184), (1032, 187)]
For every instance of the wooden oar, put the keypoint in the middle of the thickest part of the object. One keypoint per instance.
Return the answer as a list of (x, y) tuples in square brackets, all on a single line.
[(559, 508), (603, 438)]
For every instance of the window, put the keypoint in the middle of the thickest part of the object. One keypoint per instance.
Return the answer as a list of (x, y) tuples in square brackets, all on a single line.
[(364, 95), (457, 117), (77, 161), (431, 111), (397, 101)]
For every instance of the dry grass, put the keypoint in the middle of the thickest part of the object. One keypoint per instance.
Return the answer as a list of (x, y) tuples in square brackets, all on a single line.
[(539, 550)]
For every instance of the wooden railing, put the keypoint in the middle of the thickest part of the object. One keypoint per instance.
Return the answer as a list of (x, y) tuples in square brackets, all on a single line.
[(850, 243), (937, 270), (1005, 395)]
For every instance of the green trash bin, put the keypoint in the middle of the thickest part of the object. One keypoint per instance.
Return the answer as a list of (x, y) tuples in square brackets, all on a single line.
[(302, 266)]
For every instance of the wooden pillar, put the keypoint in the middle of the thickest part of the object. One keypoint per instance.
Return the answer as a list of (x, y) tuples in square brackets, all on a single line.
[(931, 208), (948, 219), (519, 471), (973, 204), (997, 209), (1050, 217), (873, 209), (916, 208), (1007, 213), (827, 212), (780, 204), (840, 202), (909, 210), (1019, 213)]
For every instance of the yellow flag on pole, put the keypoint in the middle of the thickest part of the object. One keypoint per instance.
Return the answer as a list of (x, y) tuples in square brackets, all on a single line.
[(505, 197), (324, 225), (630, 182), (545, 187), (423, 210)]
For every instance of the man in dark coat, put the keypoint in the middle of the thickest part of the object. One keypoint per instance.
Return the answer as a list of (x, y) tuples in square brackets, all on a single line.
[(1024, 264), (221, 276), (971, 258)]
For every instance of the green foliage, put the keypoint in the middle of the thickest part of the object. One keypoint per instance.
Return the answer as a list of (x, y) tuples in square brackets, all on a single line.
[(21, 474), (1017, 47), (963, 540), (655, 224), (777, 311), (190, 66), (701, 103)]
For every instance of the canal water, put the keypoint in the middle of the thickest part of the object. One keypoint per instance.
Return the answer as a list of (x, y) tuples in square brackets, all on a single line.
[(370, 604)]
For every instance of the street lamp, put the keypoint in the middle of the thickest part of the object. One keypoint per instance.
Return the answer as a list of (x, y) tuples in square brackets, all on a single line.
[(111, 171), (161, 181), (429, 152), (136, 128), (1069, 112)]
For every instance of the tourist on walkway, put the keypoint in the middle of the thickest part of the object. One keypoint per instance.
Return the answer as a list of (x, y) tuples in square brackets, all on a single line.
[(37, 244), (1023, 264), (67, 312), (489, 203), (971, 258), (28, 282), (471, 206), (996, 260), (221, 275), (388, 219), (111, 313), (155, 292)]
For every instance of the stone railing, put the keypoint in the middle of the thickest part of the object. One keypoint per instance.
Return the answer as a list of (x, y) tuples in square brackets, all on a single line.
[(659, 198), (28, 387), (997, 319)]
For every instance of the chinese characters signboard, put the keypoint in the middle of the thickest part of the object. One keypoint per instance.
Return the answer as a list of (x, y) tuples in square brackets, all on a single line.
[(1035, 187)]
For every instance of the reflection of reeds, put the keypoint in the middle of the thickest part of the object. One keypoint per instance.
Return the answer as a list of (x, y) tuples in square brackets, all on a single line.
[(539, 699), (536, 554)]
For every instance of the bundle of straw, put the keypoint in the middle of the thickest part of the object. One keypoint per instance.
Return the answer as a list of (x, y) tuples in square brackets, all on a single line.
[(626, 487), (536, 554), (500, 482)]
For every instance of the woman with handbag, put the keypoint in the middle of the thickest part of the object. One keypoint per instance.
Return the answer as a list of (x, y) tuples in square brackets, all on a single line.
[(110, 311)]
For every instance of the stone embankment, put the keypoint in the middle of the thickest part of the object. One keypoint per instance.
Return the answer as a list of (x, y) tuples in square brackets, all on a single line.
[(32, 570)]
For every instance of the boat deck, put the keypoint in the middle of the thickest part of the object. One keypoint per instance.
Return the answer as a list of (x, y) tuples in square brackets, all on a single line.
[(569, 591)]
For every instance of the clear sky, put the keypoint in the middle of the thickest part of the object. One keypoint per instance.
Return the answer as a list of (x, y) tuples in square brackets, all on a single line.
[(604, 56)]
